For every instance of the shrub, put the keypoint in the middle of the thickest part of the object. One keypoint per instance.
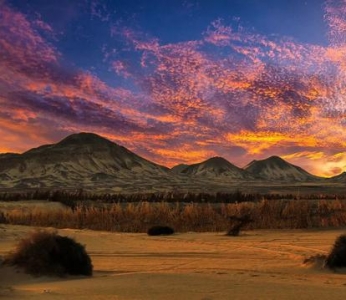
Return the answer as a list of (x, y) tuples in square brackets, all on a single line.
[(2, 218), (337, 256), (237, 223), (160, 230), (47, 253)]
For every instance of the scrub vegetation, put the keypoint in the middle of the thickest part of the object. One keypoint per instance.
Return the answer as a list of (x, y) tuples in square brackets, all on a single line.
[(183, 217)]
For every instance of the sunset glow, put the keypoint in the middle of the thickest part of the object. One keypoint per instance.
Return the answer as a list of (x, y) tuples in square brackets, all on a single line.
[(179, 82)]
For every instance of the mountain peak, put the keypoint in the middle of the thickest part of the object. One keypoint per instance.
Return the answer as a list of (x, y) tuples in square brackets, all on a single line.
[(83, 138), (214, 167), (217, 161), (275, 158), (272, 160)]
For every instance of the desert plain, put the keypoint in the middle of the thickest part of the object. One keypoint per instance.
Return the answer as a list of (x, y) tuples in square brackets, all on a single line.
[(259, 264)]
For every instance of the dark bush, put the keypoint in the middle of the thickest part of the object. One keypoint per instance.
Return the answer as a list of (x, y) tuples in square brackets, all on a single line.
[(237, 223), (47, 253), (3, 219), (160, 230), (337, 256)]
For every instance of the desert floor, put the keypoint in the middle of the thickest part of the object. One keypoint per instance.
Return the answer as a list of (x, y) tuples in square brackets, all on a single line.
[(203, 266)]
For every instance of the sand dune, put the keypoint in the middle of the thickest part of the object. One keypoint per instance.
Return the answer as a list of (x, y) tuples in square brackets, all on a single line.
[(202, 266)]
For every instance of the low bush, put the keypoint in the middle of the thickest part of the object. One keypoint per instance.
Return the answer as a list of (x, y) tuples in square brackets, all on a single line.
[(337, 256), (47, 253), (160, 230), (238, 223)]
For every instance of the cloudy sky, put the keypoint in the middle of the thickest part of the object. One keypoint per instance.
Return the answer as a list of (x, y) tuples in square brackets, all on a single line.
[(179, 81)]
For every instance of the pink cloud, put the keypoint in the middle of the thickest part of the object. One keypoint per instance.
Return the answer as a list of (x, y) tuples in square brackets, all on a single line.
[(120, 68), (20, 44), (219, 35)]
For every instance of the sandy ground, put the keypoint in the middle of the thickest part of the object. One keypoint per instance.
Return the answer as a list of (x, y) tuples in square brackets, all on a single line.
[(202, 266)]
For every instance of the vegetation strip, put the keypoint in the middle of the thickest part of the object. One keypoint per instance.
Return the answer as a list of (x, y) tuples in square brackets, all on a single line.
[(183, 217)]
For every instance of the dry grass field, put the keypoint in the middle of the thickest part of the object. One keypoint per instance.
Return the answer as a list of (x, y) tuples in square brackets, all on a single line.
[(198, 262), (259, 264), (183, 217)]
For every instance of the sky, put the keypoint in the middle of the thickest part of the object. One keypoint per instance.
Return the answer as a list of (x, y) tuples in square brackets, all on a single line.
[(179, 81)]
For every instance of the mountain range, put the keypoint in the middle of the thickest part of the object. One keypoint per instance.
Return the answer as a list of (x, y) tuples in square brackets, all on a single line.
[(89, 161)]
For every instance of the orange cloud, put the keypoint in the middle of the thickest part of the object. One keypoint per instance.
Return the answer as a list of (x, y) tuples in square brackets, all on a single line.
[(257, 142), (319, 163), (313, 155)]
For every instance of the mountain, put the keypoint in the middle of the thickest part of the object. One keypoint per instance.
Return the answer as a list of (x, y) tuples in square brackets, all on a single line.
[(275, 168), (215, 167), (78, 159), (339, 178), (91, 162)]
